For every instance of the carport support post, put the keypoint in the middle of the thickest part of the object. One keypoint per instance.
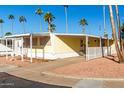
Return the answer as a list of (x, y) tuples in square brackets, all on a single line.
[(101, 46), (22, 50), (12, 48), (31, 48), (108, 46), (100, 42), (6, 49), (87, 54)]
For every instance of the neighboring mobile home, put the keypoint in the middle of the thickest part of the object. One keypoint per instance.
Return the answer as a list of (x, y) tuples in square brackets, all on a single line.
[(60, 45)]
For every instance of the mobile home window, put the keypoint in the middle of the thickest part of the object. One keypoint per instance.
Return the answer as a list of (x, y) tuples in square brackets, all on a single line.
[(35, 41), (26, 42)]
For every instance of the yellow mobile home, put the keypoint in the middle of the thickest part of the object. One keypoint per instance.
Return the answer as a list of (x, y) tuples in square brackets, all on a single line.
[(60, 45)]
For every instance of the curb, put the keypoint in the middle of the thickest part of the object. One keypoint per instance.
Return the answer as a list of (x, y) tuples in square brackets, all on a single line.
[(81, 78)]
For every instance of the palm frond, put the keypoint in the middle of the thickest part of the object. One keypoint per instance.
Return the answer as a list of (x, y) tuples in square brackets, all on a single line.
[(22, 19), (39, 11), (83, 22), (48, 16), (11, 17), (1, 21)]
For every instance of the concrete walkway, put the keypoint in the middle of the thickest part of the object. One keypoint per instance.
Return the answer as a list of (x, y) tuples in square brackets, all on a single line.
[(99, 84), (5, 67)]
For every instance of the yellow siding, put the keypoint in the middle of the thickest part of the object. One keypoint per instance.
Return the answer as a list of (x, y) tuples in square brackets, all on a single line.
[(71, 44), (94, 42), (66, 44)]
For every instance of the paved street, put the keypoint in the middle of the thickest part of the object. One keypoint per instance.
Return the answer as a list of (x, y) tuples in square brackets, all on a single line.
[(10, 81)]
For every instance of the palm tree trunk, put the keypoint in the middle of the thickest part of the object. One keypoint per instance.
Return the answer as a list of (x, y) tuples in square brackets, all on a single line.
[(121, 59), (83, 30), (23, 24), (49, 23), (118, 23), (104, 16), (41, 24), (12, 28), (49, 27), (66, 19), (1, 30)]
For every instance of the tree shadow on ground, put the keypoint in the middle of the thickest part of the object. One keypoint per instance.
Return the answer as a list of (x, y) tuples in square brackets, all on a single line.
[(10, 81), (111, 57)]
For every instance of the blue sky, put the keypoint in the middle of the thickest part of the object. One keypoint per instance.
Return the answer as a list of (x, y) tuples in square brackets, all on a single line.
[(93, 14)]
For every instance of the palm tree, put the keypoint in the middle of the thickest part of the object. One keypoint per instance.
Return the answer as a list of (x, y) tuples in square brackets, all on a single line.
[(40, 12), (8, 33), (66, 17), (11, 17), (53, 27), (83, 22), (104, 17), (49, 18), (119, 28), (1, 24), (22, 20), (119, 54)]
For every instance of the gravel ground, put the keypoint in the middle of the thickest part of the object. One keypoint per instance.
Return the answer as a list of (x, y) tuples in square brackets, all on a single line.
[(98, 68)]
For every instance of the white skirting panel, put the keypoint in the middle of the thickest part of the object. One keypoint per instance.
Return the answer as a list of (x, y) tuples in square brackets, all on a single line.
[(66, 55), (93, 52), (53, 55), (41, 55)]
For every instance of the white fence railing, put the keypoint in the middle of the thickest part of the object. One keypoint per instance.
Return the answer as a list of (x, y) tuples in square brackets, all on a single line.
[(5, 50), (96, 52)]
